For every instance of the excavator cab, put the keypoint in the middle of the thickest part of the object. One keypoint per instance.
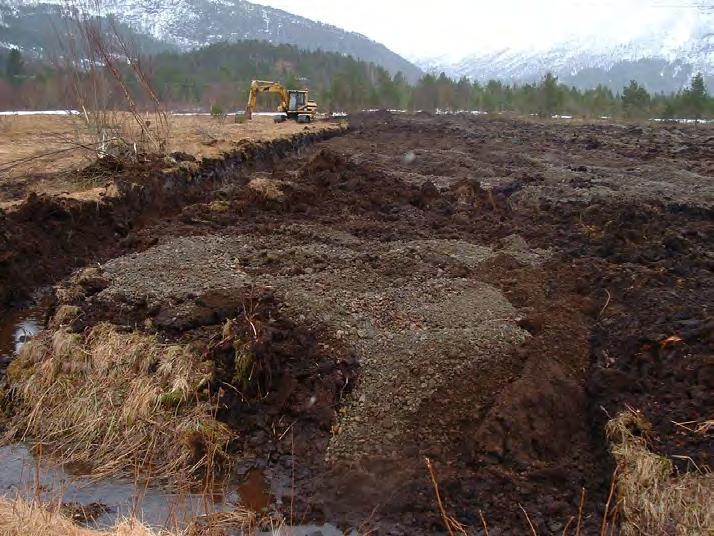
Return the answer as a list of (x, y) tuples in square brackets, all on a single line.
[(296, 100), (297, 106)]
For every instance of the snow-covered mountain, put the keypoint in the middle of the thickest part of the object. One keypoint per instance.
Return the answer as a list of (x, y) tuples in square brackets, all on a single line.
[(662, 56), (188, 24), (36, 30)]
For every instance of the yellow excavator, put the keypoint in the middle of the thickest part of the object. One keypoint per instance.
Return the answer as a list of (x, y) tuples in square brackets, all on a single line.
[(294, 103)]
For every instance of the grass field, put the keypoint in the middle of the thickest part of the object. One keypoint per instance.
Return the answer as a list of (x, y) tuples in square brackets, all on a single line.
[(39, 153)]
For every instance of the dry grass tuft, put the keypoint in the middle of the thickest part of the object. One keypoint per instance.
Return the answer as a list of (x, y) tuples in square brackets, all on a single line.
[(117, 401), (653, 500), (7, 123), (19, 517), (69, 294), (267, 188), (239, 521), (65, 315)]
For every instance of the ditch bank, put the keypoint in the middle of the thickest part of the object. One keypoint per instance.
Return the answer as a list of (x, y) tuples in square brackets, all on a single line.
[(47, 236)]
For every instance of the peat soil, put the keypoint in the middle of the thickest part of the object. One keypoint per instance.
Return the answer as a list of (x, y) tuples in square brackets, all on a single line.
[(483, 292)]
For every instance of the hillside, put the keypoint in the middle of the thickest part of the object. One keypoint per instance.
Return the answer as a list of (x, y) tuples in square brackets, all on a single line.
[(189, 24), (221, 73), (216, 76), (37, 31)]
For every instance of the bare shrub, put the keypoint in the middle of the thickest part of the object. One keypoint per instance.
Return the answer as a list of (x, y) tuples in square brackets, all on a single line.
[(102, 65)]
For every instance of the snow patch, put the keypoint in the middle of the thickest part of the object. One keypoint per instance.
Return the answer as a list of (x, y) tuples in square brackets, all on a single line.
[(40, 112), (683, 121), (239, 112)]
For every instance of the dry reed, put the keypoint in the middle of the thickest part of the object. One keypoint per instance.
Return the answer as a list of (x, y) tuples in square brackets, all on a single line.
[(115, 401), (651, 498), (21, 517)]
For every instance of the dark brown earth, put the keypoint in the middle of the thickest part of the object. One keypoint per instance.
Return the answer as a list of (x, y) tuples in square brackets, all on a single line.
[(480, 291)]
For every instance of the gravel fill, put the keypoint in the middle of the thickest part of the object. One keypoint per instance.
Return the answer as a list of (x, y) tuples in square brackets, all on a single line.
[(411, 324)]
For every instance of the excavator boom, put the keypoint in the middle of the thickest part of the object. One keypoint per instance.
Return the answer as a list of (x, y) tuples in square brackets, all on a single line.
[(262, 86)]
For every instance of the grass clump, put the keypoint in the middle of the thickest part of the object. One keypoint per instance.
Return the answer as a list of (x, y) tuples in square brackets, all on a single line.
[(20, 517), (651, 498), (267, 189), (116, 401)]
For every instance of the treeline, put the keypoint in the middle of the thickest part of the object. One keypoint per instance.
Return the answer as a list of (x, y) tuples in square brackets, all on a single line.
[(217, 77), (30, 85), (548, 97)]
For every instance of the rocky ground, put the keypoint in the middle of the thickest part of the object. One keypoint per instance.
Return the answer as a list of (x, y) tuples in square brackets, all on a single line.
[(483, 292)]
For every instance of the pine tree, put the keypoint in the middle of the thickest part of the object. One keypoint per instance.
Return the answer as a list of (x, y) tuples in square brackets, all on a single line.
[(404, 90), (426, 94), (462, 99), (697, 88), (635, 100), (15, 66), (445, 92), (493, 99), (696, 97), (551, 98)]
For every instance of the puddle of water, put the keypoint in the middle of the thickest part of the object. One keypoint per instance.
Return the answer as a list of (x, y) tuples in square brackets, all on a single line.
[(18, 327), (21, 474), (254, 491)]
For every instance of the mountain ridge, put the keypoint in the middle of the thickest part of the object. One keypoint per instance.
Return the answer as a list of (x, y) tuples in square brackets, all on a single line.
[(663, 57), (189, 24)]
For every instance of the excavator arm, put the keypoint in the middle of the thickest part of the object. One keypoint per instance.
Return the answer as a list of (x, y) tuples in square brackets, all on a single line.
[(262, 86)]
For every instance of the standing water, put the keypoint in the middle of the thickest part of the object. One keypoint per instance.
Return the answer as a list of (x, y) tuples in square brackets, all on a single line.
[(24, 474), (18, 327), (27, 474)]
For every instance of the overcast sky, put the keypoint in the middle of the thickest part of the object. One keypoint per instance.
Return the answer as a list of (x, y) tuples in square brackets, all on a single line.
[(455, 28)]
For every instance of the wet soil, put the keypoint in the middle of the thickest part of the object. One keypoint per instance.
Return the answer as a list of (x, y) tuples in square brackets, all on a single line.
[(483, 292)]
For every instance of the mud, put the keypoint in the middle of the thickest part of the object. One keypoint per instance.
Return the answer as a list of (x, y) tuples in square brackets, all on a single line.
[(483, 292)]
